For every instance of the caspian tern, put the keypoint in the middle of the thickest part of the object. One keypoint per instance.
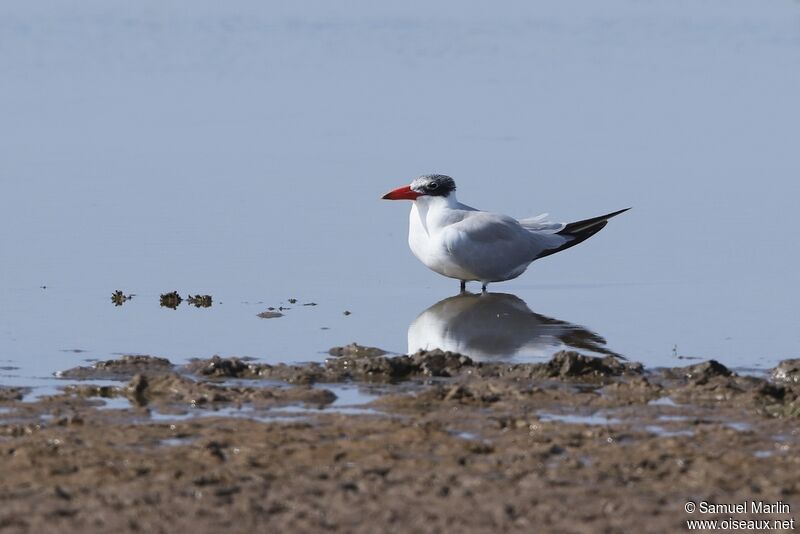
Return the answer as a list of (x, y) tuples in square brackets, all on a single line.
[(458, 241)]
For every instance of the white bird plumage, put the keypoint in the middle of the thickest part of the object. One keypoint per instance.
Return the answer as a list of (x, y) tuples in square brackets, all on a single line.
[(459, 241)]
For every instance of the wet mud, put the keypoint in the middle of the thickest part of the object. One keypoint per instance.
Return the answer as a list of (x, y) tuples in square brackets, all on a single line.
[(170, 300), (199, 301), (445, 443), (119, 298)]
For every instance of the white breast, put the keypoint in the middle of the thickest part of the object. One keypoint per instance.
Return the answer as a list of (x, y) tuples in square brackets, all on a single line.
[(426, 240)]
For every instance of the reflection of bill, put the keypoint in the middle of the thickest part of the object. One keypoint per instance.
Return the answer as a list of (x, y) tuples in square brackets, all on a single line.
[(495, 325)]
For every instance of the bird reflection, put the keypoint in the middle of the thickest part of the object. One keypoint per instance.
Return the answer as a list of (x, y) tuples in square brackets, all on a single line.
[(496, 325)]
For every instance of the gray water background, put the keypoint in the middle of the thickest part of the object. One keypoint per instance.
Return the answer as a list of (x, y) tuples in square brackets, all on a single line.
[(240, 149)]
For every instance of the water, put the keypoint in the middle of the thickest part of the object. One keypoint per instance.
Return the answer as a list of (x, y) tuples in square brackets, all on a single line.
[(592, 419), (240, 150)]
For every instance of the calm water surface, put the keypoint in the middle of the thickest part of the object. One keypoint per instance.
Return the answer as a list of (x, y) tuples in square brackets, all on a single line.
[(240, 149)]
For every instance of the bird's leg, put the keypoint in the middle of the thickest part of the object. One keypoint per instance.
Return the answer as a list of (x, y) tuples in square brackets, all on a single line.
[(483, 288), (463, 286)]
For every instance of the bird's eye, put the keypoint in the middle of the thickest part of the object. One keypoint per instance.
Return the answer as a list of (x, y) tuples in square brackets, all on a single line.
[(433, 186)]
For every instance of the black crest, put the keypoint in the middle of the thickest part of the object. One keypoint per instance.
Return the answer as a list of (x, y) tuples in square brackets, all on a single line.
[(434, 185)]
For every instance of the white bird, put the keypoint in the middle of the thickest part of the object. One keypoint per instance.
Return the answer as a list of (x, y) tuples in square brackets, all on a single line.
[(458, 241)]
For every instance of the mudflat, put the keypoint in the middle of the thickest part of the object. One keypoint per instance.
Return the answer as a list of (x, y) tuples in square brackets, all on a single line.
[(445, 443)]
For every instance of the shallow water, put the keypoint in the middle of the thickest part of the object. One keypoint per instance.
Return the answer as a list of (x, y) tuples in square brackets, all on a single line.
[(240, 151), (593, 419)]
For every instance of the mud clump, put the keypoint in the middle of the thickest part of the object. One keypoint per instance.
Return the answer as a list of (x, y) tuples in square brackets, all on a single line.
[(173, 393), (439, 363), (368, 368), (358, 363), (422, 363), (199, 301), (120, 369), (309, 373), (119, 298), (354, 350), (370, 364), (790, 409), (635, 390), (570, 364), (90, 390), (10, 394), (217, 366), (711, 383), (566, 366), (779, 400), (787, 371), (173, 390), (701, 373), (170, 300), (350, 363)]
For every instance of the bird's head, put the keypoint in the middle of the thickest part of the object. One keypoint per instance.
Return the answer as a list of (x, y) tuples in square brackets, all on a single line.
[(434, 185)]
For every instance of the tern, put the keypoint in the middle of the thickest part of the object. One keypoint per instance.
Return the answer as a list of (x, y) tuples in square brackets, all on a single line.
[(461, 242)]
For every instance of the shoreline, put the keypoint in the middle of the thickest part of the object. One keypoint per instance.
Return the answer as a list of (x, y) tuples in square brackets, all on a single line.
[(573, 444)]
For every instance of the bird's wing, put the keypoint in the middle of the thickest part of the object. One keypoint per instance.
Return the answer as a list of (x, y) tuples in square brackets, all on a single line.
[(464, 207), (494, 246), (541, 224)]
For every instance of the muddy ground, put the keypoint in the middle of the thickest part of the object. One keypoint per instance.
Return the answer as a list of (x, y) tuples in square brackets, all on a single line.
[(576, 444)]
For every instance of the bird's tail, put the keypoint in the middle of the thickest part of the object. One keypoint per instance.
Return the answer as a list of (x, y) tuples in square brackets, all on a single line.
[(580, 231)]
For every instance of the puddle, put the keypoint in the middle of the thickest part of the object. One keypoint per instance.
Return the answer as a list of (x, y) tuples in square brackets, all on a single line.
[(245, 382), (672, 418), (571, 419), (663, 432), (302, 410), (348, 396), (350, 400), (115, 403), (663, 401), (739, 427), (244, 412), (752, 371), (44, 387), (176, 442), (763, 454)]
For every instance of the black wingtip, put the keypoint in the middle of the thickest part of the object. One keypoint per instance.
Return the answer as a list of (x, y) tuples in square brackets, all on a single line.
[(580, 231), (615, 213), (580, 226)]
